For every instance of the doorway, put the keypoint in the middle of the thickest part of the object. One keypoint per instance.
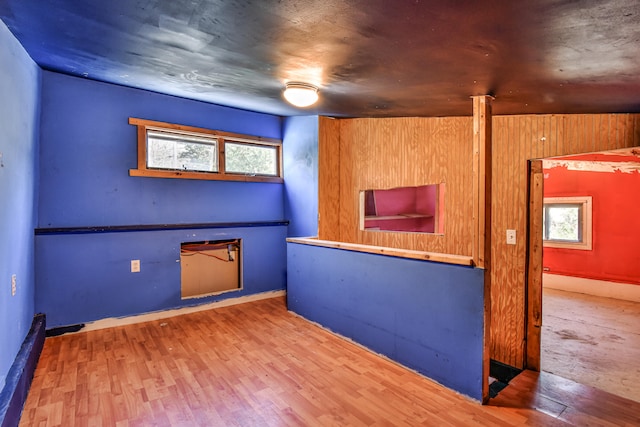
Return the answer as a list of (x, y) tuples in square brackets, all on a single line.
[(581, 316)]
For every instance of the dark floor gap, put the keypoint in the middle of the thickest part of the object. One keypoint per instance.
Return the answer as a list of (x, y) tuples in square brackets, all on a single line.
[(54, 332), (502, 374)]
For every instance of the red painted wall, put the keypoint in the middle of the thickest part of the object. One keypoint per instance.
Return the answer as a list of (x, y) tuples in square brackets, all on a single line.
[(616, 225)]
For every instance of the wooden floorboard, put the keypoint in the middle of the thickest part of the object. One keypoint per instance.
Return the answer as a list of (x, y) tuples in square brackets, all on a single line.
[(253, 364), (568, 401), (592, 340)]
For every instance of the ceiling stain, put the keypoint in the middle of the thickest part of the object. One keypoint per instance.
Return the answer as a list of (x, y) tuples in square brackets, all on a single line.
[(370, 58)]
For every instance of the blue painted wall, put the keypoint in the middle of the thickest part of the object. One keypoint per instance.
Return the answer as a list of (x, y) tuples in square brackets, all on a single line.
[(87, 149), (19, 117), (427, 316), (300, 161), (86, 277)]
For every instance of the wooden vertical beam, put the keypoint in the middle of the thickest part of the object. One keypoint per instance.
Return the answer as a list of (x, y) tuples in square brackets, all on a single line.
[(142, 147), (482, 217), (482, 180), (329, 179), (534, 265), (221, 165)]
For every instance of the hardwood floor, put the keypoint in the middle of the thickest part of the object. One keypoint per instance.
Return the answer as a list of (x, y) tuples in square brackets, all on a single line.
[(592, 340), (252, 364), (568, 401)]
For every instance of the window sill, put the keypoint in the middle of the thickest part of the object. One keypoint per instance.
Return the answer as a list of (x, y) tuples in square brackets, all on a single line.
[(149, 173), (395, 217), (586, 246)]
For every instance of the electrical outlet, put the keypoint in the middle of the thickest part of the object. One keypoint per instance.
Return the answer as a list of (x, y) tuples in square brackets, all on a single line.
[(511, 237), (135, 266), (13, 285)]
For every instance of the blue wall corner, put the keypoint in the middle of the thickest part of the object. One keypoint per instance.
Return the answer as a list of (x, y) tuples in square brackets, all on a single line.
[(19, 121), (300, 161), (88, 147), (427, 316)]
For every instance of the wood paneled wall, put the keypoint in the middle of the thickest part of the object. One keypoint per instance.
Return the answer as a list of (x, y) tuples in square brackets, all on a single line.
[(329, 179), (395, 152), (517, 139), (358, 154)]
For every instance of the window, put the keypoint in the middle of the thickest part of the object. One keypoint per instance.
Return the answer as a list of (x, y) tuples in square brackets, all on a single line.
[(251, 159), (567, 222), (175, 151), (181, 151)]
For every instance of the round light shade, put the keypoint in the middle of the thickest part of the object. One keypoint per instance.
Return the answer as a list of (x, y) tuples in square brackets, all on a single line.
[(301, 94)]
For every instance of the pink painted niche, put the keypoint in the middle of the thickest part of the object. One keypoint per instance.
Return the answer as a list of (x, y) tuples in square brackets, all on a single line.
[(417, 209)]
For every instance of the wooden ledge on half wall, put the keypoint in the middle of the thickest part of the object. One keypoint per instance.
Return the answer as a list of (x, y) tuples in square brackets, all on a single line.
[(381, 250)]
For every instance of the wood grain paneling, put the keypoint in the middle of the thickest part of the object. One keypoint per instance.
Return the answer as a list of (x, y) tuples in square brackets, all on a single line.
[(482, 172), (395, 152), (534, 267), (359, 154), (329, 178), (517, 139)]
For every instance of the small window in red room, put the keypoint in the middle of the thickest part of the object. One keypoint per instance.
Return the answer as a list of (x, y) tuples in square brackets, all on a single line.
[(567, 222)]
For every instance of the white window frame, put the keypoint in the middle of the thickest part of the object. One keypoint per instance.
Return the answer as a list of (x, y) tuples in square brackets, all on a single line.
[(585, 204), (182, 137)]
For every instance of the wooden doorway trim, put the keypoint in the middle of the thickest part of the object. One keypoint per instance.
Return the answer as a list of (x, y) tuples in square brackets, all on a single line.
[(533, 319)]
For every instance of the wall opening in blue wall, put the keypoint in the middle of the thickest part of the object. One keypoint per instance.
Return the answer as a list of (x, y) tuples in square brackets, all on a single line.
[(210, 267)]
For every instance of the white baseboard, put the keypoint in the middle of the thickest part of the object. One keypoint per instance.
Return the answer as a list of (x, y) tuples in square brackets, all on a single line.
[(158, 315), (601, 288)]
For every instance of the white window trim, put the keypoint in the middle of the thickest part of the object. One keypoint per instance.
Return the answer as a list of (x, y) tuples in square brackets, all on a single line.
[(188, 137), (587, 226)]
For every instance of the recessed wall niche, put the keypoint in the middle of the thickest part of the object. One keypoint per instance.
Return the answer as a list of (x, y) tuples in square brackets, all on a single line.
[(210, 267), (418, 209)]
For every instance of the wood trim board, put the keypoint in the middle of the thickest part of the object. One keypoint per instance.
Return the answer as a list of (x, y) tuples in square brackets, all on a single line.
[(402, 253)]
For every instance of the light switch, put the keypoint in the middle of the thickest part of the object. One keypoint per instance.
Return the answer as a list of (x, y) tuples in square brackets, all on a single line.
[(135, 266), (511, 237)]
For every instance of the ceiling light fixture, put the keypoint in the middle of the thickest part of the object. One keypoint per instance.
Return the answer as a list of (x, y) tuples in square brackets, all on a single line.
[(301, 94)]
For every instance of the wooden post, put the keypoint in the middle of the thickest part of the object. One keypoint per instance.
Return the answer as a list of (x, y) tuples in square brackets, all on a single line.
[(482, 218), (534, 265), (482, 180), (329, 179)]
